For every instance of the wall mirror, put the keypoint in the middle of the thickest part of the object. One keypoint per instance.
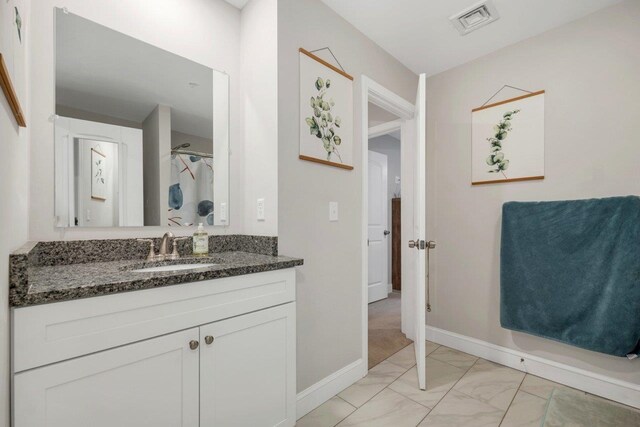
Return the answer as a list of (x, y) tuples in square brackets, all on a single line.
[(141, 134)]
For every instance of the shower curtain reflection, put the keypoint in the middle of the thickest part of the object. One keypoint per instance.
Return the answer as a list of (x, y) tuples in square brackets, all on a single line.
[(191, 190)]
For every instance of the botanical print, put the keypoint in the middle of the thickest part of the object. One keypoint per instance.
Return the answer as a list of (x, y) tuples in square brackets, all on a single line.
[(13, 33), (322, 124), (507, 140), (190, 190), (98, 175), (326, 113), (501, 131), (18, 24)]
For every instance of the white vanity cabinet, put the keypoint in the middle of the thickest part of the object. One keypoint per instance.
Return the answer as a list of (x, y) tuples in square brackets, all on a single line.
[(237, 369)]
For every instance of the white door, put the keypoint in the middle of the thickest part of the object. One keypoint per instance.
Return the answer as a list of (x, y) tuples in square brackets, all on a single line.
[(247, 370), (418, 243), (149, 383), (378, 223)]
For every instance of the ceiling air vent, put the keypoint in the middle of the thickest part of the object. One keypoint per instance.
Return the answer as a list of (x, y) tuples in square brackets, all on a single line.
[(475, 17)]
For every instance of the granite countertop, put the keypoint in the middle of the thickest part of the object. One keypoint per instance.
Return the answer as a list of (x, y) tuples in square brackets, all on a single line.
[(35, 283)]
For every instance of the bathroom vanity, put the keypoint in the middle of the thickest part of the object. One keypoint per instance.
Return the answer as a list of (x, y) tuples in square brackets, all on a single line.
[(105, 342), (141, 136)]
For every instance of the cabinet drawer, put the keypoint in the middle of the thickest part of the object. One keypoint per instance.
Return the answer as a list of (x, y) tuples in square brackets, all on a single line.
[(53, 332)]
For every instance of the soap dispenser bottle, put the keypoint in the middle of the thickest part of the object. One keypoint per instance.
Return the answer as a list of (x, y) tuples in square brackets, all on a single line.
[(200, 242)]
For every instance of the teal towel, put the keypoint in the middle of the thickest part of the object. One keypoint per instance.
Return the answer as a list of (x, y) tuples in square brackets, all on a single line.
[(570, 271)]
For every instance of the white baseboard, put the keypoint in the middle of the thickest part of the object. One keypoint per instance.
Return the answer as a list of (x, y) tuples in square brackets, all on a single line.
[(591, 382), (378, 292), (325, 389)]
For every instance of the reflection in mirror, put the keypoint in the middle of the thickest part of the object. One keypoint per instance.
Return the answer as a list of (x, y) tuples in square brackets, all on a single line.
[(141, 134)]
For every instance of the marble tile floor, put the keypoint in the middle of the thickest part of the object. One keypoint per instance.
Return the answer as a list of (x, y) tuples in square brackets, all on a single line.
[(462, 390)]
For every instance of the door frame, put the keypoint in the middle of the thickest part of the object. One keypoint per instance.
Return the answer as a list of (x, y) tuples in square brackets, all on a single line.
[(377, 94)]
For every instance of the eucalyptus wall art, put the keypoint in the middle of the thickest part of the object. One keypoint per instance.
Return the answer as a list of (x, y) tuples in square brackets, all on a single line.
[(508, 140), (326, 112)]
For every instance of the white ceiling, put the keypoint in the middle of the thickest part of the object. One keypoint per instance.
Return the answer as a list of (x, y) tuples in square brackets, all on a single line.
[(109, 73), (419, 34)]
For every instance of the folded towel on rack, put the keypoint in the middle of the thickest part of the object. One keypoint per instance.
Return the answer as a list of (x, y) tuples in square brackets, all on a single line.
[(570, 271)]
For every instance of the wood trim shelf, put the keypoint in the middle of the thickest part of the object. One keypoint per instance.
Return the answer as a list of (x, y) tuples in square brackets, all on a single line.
[(506, 101), (325, 63), (10, 93), (527, 178), (325, 162)]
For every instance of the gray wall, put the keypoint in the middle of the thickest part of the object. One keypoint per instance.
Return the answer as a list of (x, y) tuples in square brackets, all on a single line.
[(589, 69), (329, 287), (390, 147)]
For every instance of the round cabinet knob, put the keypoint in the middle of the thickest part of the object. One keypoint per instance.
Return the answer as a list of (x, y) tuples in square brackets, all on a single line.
[(193, 344), (386, 232), (208, 339)]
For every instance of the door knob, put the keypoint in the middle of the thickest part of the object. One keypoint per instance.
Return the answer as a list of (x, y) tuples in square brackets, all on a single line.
[(387, 232), (431, 244), (193, 344), (418, 244), (208, 339)]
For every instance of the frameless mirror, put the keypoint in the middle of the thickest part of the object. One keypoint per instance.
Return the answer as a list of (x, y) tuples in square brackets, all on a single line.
[(141, 134)]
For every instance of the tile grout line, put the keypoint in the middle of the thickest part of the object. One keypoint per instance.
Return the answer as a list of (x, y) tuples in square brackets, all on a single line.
[(387, 387), (533, 395), (512, 399), (406, 397), (397, 366), (465, 370), (452, 387), (422, 404), (449, 391), (381, 390), (354, 410), (354, 407)]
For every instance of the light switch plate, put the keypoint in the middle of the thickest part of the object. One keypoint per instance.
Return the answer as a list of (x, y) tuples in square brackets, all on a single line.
[(223, 212), (333, 211), (260, 210)]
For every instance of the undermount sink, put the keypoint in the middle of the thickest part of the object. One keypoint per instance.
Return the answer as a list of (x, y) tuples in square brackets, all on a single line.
[(177, 267)]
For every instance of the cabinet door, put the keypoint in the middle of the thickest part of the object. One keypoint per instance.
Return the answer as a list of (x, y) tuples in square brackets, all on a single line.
[(148, 383), (247, 374)]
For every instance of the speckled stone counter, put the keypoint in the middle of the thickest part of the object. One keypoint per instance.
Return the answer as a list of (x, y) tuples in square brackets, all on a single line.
[(45, 272)]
